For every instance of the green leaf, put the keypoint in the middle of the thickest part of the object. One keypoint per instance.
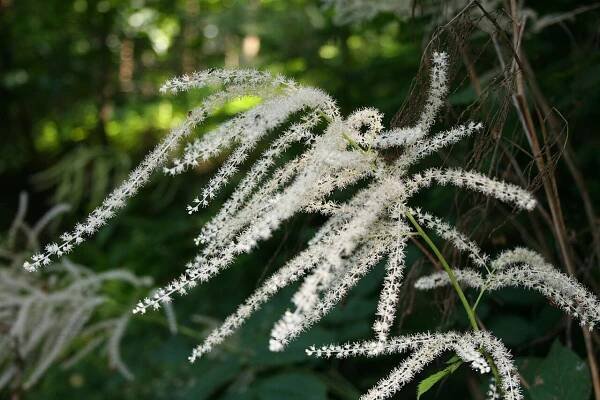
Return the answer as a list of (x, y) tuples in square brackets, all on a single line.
[(562, 375), (432, 379)]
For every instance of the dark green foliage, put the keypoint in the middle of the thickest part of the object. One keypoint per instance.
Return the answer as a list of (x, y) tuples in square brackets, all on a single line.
[(560, 375)]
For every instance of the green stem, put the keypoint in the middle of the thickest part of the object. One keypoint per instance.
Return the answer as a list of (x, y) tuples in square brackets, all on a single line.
[(449, 271), (479, 297), (461, 295), (353, 143), (483, 288)]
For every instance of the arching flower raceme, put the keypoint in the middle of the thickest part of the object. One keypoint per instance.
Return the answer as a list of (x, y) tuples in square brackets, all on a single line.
[(525, 268), (424, 348), (370, 227)]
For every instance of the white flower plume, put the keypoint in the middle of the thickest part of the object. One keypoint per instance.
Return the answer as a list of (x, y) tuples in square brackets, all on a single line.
[(424, 348), (47, 317), (370, 227), (525, 268)]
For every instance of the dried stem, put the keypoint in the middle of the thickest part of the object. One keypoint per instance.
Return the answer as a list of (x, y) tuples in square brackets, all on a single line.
[(548, 178)]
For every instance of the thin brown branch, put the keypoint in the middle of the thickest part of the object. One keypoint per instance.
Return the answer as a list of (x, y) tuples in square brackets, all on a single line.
[(555, 126), (427, 254), (549, 181)]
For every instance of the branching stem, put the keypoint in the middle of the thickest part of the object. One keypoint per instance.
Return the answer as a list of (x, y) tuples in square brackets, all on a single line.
[(449, 271), (461, 295)]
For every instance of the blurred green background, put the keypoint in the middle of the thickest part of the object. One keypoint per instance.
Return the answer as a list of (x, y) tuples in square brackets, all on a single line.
[(79, 106)]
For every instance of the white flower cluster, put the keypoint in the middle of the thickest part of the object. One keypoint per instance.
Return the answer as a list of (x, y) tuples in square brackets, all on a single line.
[(525, 268), (449, 233), (424, 348), (359, 233), (492, 392), (235, 84), (42, 316)]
